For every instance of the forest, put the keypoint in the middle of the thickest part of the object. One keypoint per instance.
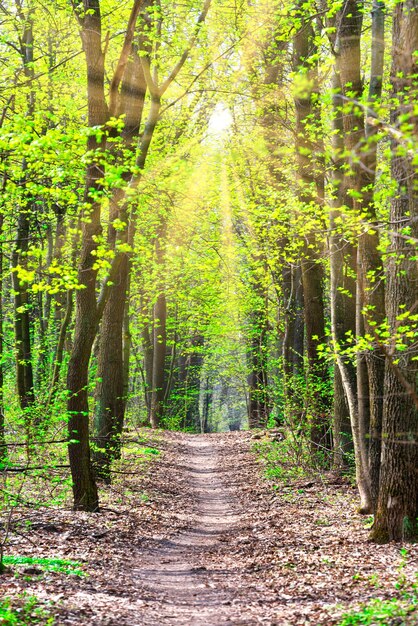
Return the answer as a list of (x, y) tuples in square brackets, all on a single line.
[(208, 235)]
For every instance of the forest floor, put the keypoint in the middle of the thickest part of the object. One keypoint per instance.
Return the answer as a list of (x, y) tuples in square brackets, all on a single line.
[(201, 538)]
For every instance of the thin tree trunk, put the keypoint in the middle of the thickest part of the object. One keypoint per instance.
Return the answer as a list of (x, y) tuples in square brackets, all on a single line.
[(59, 353), (24, 367), (342, 288), (148, 351), (293, 347), (194, 366), (258, 390), (127, 341), (355, 382), (158, 364), (342, 436), (207, 402), (370, 266), (3, 448)]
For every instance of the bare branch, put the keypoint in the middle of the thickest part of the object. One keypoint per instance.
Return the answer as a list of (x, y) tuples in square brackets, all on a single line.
[(183, 58)]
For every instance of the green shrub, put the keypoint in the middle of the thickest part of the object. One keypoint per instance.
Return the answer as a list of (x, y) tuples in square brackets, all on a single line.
[(282, 462)]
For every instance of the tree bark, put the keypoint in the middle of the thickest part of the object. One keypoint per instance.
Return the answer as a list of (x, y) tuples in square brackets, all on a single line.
[(207, 402), (397, 510), (87, 314), (193, 367), (111, 373), (311, 182), (258, 390), (158, 364), (293, 346), (59, 352), (348, 179), (23, 342), (110, 401)]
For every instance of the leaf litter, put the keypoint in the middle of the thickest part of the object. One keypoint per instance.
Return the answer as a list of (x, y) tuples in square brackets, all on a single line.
[(199, 536)]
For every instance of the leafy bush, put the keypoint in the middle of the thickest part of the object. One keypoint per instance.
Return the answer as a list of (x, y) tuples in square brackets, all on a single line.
[(281, 460)]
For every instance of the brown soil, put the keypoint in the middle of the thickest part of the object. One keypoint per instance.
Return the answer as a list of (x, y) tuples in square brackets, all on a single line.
[(213, 545)]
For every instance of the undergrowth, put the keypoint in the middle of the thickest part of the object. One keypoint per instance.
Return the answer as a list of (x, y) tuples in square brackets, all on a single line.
[(282, 460), (399, 611), (63, 566), (24, 610)]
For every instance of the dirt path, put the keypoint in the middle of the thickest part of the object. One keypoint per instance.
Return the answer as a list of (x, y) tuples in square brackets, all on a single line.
[(201, 539), (174, 574)]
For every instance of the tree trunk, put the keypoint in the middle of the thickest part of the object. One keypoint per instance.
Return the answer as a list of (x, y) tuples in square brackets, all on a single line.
[(24, 368), (293, 345), (148, 351), (110, 402), (207, 402), (158, 364), (351, 127), (342, 435), (194, 362), (87, 314), (258, 391), (23, 343), (126, 343), (311, 176), (113, 368), (397, 510), (360, 142), (59, 352)]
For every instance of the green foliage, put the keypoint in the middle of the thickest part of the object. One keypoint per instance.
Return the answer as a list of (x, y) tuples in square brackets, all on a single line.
[(282, 460), (149, 451), (63, 566), (395, 611), (400, 610), (24, 610)]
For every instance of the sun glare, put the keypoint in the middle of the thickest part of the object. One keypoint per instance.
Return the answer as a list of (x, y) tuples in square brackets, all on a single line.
[(220, 121)]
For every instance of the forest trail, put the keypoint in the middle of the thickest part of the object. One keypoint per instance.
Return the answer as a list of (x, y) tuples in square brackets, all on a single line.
[(200, 538), (175, 573)]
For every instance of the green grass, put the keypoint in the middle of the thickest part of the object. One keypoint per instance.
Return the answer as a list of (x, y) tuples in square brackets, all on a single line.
[(382, 612), (24, 610), (400, 611), (143, 451), (62, 566), (149, 451)]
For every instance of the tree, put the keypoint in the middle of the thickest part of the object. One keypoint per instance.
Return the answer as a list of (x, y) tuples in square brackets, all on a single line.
[(25, 381), (311, 193), (89, 309), (397, 509)]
